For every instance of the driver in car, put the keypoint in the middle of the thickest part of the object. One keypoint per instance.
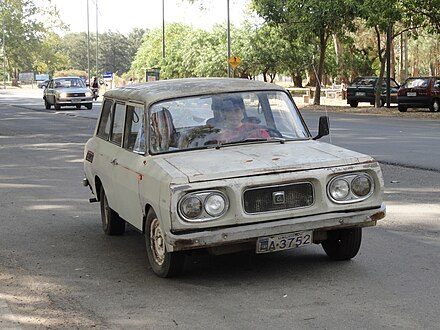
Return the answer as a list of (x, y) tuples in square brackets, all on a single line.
[(234, 127)]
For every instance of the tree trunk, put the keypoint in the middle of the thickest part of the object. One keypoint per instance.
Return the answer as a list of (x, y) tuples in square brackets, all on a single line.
[(322, 47), (339, 51)]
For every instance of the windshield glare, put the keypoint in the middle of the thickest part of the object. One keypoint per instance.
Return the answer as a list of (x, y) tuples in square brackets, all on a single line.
[(213, 120), (69, 83), (416, 82)]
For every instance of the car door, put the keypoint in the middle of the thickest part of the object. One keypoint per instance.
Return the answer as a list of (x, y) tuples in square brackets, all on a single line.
[(109, 141), (49, 92), (127, 164)]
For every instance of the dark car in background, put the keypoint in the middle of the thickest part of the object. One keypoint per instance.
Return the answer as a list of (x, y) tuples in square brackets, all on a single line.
[(43, 84), (419, 92), (363, 89)]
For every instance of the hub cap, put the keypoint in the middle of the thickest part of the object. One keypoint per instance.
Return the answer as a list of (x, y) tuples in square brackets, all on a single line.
[(157, 243)]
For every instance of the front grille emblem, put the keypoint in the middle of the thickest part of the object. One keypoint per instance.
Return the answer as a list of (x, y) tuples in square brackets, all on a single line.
[(278, 197)]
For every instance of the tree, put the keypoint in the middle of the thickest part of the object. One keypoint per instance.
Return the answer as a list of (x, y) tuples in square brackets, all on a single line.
[(312, 21), (24, 33)]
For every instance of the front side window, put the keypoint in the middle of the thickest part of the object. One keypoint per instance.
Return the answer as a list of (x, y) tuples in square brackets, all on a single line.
[(220, 119)]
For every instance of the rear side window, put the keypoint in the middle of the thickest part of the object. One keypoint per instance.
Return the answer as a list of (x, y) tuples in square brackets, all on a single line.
[(118, 124), (105, 120)]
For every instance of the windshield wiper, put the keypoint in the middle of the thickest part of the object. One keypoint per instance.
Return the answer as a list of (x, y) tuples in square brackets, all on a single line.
[(281, 140)]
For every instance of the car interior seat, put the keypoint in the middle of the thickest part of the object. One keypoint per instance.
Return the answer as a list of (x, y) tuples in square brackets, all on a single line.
[(164, 133)]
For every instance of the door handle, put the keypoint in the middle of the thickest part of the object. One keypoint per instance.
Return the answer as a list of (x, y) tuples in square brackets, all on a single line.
[(114, 161)]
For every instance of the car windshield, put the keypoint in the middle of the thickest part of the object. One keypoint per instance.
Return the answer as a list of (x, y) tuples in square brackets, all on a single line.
[(416, 83), (363, 81), (69, 83), (214, 120)]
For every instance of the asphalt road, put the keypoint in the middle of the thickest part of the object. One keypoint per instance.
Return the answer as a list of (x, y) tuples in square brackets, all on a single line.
[(59, 271)]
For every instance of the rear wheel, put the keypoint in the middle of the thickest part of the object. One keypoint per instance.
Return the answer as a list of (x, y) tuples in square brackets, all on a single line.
[(402, 108), (112, 223), (354, 104), (435, 106), (343, 244), (163, 263)]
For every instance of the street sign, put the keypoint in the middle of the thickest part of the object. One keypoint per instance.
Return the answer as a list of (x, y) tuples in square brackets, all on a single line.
[(108, 75), (234, 61)]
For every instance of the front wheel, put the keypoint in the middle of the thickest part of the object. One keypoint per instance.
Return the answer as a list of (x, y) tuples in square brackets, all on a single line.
[(163, 263), (47, 104), (89, 106), (343, 244), (112, 223), (56, 105)]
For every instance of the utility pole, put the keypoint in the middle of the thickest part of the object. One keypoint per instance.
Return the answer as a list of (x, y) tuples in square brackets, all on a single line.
[(229, 40), (97, 39), (3, 46), (388, 62), (163, 28), (88, 43)]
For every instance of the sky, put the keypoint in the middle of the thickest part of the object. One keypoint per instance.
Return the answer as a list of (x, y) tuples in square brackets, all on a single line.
[(124, 15)]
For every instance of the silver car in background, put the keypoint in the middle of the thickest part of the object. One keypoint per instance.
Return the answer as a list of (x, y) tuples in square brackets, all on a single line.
[(67, 91)]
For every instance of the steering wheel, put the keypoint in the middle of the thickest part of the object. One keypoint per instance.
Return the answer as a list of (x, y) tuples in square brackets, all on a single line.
[(273, 131)]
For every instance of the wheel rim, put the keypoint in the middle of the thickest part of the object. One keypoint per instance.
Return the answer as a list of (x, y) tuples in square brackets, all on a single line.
[(436, 105), (157, 242)]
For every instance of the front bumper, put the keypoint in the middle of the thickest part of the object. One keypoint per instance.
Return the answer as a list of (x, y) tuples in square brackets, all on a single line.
[(75, 101), (245, 233)]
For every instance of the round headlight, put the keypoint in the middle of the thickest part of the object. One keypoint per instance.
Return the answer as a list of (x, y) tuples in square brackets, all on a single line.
[(215, 205), (361, 186), (339, 189), (191, 207), (63, 95)]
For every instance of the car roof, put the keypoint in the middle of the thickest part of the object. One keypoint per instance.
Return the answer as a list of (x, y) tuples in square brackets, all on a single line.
[(152, 92), (68, 77)]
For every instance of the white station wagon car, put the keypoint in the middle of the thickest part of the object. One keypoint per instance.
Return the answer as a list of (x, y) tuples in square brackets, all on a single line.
[(225, 165)]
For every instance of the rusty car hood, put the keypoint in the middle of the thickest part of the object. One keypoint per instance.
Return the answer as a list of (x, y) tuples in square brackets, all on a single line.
[(263, 158)]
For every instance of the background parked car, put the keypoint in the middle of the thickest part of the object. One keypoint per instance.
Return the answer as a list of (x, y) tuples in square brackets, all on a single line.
[(419, 92), (43, 84), (67, 91), (362, 89)]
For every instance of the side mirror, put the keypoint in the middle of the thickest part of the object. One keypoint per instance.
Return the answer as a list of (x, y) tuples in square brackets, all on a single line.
[(324, 127)]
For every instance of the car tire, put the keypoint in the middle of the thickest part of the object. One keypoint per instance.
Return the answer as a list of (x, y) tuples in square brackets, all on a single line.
[(47, 104), (435, 106), (112, 223), (354, 104), (89, 106), (402, 108), (343, 244), (162, 262), (56, 106), (78, 106)]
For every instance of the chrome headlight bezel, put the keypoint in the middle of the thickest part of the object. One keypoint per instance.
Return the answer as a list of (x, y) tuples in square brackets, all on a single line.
[(207, 208), (353, 195)]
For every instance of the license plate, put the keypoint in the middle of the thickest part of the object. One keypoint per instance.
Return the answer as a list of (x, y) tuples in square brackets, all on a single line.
[(360, 94), (284, 241), (411, 94)]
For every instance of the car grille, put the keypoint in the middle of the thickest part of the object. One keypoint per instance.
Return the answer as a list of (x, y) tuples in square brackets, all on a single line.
[(275, 198), (76, 94)]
